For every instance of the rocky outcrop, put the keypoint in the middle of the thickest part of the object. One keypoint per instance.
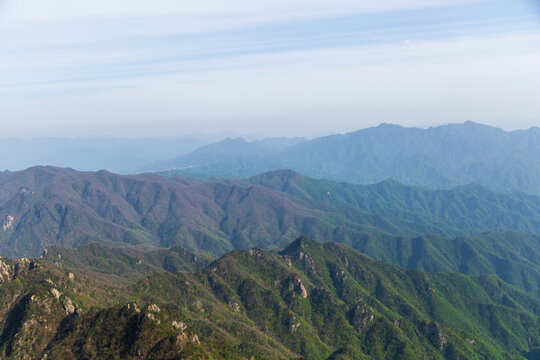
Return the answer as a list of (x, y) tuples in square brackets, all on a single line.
[(32, 321), (6, 271), (296, 285), (360, 316), (433, 331), (10, 270), (8, 223)]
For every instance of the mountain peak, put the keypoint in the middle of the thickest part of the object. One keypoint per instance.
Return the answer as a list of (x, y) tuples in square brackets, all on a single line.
[(47, 168), (234, 140), (285, 174), (388, 125), (277, 179), (302, 243), (468, 126)]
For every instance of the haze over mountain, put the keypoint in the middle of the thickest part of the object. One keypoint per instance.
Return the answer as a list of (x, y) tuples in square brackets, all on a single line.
[(228, 149), (264, 180), (440, 157), (96, 153)]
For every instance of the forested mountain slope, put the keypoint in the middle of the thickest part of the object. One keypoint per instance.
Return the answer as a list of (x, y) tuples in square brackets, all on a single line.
[(51, 206), (316, 301)]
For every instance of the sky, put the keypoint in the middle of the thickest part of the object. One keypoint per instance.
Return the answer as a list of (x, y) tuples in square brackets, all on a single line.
[(139, 68)]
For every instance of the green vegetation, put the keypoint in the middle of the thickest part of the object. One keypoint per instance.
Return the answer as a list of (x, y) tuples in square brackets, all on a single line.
[(311, 300), (41, 207), (461, 211), (514, 257), (126, 262), (50, 206)]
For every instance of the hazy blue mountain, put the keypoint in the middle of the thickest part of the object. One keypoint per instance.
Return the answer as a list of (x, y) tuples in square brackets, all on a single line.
[(279, 143), (229, 151), (444, 156), (96, 153)]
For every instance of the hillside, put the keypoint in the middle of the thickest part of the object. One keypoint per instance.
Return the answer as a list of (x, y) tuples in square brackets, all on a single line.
[(440, 157), (131, 262), (514, 257), (316, 301), (464, 210), (41, 207), (46, 206)]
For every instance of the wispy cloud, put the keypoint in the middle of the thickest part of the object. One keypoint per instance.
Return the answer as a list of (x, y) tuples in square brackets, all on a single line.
[(32, 10), (232, 62)]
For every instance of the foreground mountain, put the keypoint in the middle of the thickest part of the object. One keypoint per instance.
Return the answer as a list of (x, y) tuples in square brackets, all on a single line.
[(444, 156), (513, 257), (316, 301)]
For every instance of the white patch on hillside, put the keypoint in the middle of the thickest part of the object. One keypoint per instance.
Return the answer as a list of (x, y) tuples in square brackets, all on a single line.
[(8, 223)]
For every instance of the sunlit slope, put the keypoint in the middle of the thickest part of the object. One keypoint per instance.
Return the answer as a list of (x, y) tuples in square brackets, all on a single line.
[(311, 300)]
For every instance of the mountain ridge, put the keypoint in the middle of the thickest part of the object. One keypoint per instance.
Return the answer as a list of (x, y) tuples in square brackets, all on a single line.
[(311, 300), (48, 206), (443, 157)]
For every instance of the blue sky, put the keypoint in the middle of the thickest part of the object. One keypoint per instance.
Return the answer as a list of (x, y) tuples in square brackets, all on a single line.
[(166, 67)]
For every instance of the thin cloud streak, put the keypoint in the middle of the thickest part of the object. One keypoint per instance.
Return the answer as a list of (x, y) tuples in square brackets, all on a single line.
[(156, 68), (417, 88), (111, 58), (36, 10)]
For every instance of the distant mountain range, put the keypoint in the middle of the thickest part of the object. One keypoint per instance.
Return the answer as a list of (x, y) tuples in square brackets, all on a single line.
[(120, 155), (227, 150), (439, 157), (309, 301), (47, 206), (96, 153)]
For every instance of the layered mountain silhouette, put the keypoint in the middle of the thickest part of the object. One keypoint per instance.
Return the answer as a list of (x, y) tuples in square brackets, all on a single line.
[(440, 157)]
